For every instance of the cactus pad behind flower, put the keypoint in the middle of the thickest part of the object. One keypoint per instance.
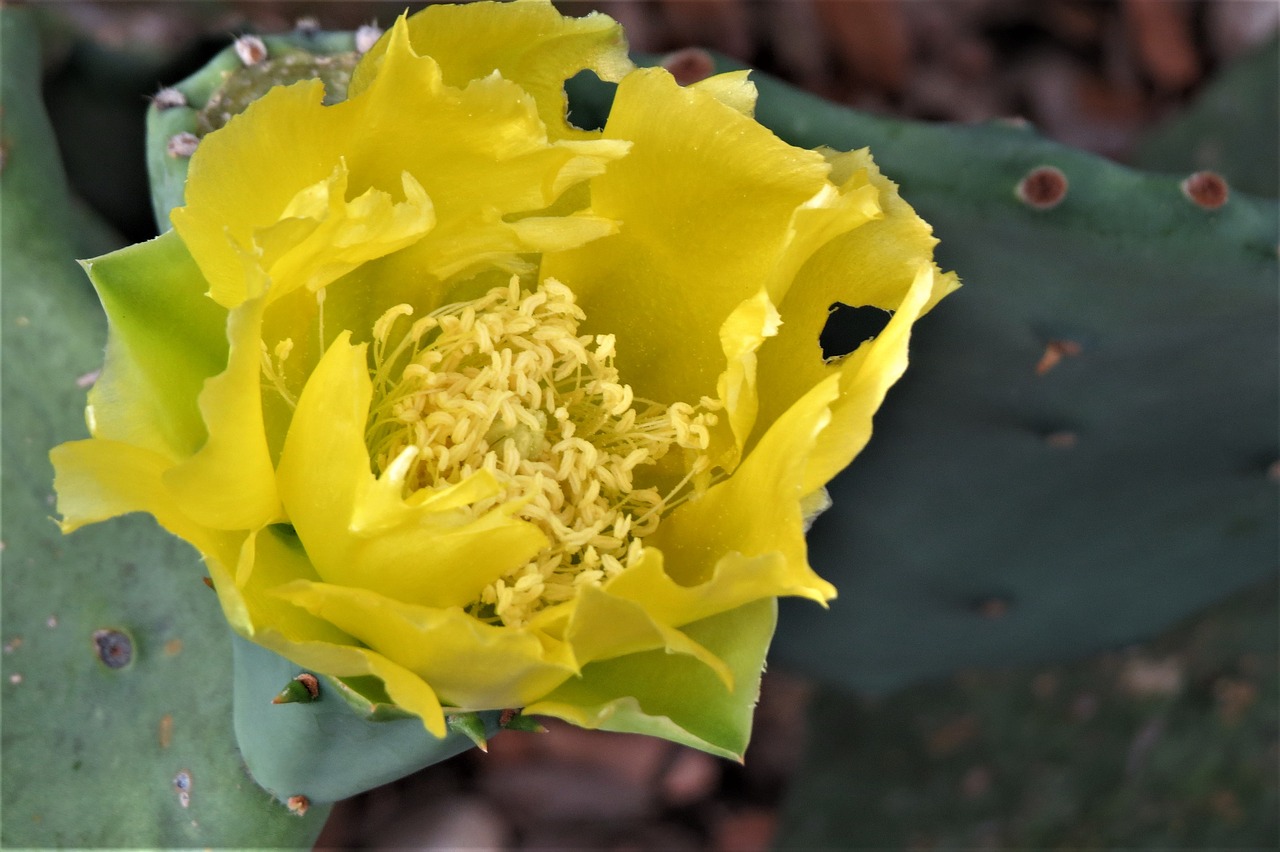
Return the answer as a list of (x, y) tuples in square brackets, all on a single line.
[(1084, 449)]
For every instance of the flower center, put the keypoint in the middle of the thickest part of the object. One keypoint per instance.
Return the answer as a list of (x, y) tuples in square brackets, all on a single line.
[(504, 383)]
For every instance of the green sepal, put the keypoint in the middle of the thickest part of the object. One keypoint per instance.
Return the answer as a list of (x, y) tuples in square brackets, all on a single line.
[(469, 725), (673, 696), (367, 698), (166, 337), (297, 691), (517, 721)]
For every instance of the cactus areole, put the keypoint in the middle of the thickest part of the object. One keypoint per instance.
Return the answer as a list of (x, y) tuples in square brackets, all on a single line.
[(472, 409)]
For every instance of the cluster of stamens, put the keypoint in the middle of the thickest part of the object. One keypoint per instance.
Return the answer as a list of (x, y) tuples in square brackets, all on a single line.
[(504, 383)]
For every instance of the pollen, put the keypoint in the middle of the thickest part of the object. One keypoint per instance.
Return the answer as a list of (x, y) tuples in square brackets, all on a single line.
[(505, 383)]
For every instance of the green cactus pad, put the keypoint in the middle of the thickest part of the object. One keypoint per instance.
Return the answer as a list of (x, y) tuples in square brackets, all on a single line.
[(1082, 450), (116, 668)]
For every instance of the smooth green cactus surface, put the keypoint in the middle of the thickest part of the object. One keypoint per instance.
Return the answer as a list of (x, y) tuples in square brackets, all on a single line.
[(116, 665), (1082, 449)]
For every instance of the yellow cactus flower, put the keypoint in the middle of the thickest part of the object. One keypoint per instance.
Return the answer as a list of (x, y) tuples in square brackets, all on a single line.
[(496, 410)]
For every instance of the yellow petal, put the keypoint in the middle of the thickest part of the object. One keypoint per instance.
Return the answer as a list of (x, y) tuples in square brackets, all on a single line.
[(603, 627), (269, 558), (359, 536), (876, 264), (230, 483), (865, 377), (734, 89), (756, 511), (242, 178), (468, 663), (737, 579), (321, 236), (743, 333), (704, 222), (487, 160), (529, 43), (266, 180), (98, 479)]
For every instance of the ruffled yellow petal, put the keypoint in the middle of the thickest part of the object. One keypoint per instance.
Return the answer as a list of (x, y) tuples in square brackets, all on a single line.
[(743, 333), (603, 627), (756, 511), (270, 558), (885, 255), (230, 483), (321, 236), (878, 264), (165, 337), (528, 43), (98, 479), (270, 188), (675, 696), (865, 377), (737, 579), (734, 89), (242, 178), (267, 559), (703, 224), (487, 160), (359, 535), (470, 664)]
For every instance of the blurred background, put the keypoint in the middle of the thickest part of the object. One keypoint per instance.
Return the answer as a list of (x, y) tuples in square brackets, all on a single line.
[(1172, 744)]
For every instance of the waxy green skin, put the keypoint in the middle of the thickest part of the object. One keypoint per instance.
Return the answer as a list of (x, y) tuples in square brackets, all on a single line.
[(1003, 516), (960, 537)]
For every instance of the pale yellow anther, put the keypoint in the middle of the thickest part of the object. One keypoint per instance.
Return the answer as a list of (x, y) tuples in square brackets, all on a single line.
[(504, 383)]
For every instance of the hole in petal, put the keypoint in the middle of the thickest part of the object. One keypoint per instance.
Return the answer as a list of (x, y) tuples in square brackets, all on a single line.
[(848, 328), (589, 99)]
